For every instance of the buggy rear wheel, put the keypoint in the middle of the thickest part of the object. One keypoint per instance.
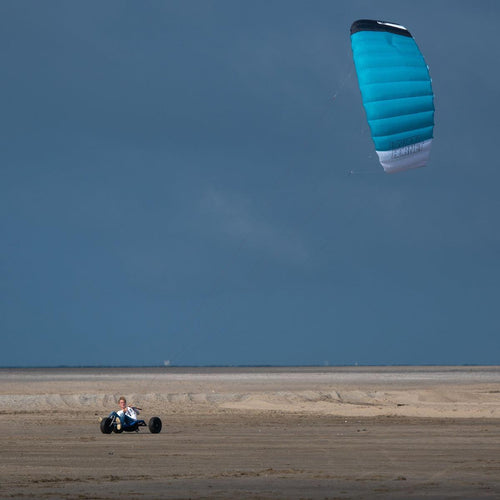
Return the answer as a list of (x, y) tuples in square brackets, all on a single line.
[(154, 425)]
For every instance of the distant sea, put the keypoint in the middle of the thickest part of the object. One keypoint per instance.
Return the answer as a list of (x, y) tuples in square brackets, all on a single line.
[(349, 374)]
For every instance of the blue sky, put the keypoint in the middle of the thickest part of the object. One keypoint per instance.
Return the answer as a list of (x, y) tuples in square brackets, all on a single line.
[(174, 186)]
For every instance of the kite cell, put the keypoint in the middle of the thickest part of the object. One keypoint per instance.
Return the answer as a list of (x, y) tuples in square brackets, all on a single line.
[(397, 93)]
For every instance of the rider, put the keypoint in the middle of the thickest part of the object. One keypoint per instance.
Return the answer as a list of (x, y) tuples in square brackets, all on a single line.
[(126, 415)]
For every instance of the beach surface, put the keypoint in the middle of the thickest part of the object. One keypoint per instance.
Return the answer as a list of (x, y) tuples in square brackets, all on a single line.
[(294, 433)]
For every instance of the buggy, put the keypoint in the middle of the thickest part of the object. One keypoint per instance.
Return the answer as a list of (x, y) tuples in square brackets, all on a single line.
[(109, 425)]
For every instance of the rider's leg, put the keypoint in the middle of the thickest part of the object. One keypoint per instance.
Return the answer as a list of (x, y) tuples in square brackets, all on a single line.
[(129, 420), (119, 418)]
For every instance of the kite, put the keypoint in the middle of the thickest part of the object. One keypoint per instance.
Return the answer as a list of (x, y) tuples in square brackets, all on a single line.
[(396, 90)]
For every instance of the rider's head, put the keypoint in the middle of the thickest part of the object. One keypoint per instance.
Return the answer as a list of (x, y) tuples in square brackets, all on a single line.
[(122, 402)]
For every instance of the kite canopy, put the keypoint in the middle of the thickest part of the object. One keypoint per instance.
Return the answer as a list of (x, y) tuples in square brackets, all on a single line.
[(396, 91)]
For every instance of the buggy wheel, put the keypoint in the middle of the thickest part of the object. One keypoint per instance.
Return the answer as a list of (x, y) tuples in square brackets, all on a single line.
[(106, 425), (154, 425), (116, 430)]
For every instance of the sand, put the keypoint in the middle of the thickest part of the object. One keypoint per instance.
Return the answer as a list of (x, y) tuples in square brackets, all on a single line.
[(404, 432)]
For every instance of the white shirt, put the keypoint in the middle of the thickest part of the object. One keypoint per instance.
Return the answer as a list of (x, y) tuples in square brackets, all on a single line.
[(130, 411)]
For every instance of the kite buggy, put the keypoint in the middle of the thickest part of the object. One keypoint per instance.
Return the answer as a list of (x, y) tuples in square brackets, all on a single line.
[(113, 424), (126, 420)]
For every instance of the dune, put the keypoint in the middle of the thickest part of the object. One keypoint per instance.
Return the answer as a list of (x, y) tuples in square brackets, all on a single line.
[(425, 392)]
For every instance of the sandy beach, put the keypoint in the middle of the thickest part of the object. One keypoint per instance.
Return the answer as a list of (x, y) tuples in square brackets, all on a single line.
[(297, 433)]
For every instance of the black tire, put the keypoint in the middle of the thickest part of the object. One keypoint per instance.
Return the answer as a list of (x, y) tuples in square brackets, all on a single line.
[(106, 425), (154, 425), (116, 430)]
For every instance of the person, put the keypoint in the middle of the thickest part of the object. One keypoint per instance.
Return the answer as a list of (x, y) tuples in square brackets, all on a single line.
[(126, 415)]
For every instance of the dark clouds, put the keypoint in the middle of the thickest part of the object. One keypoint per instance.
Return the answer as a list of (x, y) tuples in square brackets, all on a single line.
[(174, 186)]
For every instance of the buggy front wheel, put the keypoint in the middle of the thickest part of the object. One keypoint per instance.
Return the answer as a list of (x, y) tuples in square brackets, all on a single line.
[(106, 425)]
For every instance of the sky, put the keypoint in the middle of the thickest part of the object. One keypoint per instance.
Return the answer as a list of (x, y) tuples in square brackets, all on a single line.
[(194, 183)]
